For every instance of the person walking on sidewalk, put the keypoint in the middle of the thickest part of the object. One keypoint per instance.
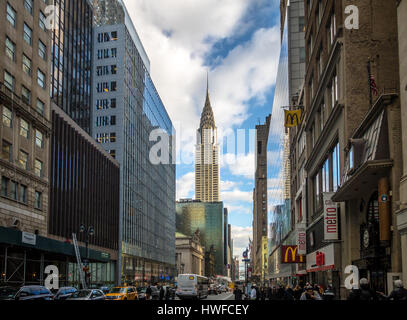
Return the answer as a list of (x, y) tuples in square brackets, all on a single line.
[(253, 293), (398, 294), (364, 293)]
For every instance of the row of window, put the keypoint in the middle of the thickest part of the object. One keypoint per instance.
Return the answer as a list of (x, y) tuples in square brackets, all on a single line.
[(18, 192), (107, 36), (105, 87), (102, 104), (328, 177), (106, 137), (105, 121), (23, 158), (24, 127), (106, 70), (107, 53)]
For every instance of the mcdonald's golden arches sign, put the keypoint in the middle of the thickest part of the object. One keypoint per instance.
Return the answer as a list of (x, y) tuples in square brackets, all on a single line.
[(289, 255), (292, 118)]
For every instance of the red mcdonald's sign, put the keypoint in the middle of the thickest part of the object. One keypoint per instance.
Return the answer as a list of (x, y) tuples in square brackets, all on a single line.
[(289, 255)]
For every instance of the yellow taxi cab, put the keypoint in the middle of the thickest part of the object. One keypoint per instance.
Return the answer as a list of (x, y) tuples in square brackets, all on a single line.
[(122, 293)]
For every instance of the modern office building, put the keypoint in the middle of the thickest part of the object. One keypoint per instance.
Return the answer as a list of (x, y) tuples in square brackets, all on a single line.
[(127, 115), (260, 197), (208, 217), (71, 59), (281, 207), (207, 172), (84, 190)]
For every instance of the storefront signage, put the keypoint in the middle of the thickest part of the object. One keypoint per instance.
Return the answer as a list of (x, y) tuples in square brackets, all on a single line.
[(322, 259), (289, 254), (330, 218), (301, 239), (29, 238)]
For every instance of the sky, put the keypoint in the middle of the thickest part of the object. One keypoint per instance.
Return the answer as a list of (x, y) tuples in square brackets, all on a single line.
[(237, 42)]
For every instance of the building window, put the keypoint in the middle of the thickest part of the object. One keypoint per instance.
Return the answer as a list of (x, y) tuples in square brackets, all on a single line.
[(11, 15), (113, 69), (42, 50), (317, 194), (22, 194), (28, 5), (39, 138), (113, 137), (38, 200), (302, 55), (42, 21), (4, 186), (27, 65), (113, 153), (7, 117), (114, 35), (26, 95), (28, 34), (13, 190), (38, 168), (336, 174), (24, 128), (6, 151), (113, 86), (113, 120), (114, 52), (23, 160), (10, 49), (41, 79), (40, 106), (113, 103), (9, 81), (326, 176)]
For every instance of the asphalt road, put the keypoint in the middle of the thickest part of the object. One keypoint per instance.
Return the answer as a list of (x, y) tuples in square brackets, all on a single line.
[(218, 297)]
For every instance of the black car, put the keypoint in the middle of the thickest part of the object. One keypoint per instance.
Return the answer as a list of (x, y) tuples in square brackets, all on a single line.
[(155, 293), (33, 293), (8, 293), (64, 293)]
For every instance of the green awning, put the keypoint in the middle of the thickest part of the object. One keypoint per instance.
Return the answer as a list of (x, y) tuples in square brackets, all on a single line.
[(14, 237)]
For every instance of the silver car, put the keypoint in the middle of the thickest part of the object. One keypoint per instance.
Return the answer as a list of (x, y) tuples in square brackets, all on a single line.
[(88, 294)]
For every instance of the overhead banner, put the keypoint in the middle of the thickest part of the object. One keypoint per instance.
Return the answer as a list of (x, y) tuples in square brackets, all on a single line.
[(289, 254), (292, 118), (301, 239), (331, 223)]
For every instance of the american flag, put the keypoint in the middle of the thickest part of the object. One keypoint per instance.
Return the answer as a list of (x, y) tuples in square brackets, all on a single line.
[(373, 85)]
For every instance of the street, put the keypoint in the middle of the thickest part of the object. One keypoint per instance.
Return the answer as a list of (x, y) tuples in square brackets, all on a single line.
[(217, 297)]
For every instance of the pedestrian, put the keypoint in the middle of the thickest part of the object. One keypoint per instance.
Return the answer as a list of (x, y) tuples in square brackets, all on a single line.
[(148, 293), (329, 294), (238, 293), (363, 293), (310, 294), (162, 292), (253, 293), (297, 292), (167, 293), (398, 294)]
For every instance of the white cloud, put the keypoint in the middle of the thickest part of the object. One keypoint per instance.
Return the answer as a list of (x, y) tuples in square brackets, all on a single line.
[(227, 185), (232, 209), (241, 237), (240, 164), (237, 195), (186, 185)]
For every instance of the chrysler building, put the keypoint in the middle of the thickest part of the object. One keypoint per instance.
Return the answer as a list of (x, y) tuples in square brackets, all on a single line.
[(207, 157)]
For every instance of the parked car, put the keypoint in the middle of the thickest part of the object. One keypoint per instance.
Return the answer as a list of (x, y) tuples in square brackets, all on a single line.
[(8, 293), (33, 293), (64, 293), (88, 294), (122, 293)]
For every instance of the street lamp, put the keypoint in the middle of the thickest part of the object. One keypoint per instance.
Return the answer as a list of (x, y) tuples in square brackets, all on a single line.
[(89, 231)]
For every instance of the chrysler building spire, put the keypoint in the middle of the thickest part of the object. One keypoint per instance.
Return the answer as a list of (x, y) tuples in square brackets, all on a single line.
[(207, 155)]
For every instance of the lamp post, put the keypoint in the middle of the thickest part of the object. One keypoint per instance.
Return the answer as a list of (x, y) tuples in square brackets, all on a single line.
[(89, 231)]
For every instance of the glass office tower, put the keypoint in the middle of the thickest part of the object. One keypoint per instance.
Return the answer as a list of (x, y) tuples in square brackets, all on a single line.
[(71, 59), (208, 217), (126, 110)]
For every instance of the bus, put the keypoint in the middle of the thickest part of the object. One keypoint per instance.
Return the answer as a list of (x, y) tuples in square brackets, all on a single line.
[(192, 286)]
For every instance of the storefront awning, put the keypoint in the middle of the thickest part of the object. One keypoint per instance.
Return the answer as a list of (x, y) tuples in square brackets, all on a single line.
[(368, 174), (15, 237)]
